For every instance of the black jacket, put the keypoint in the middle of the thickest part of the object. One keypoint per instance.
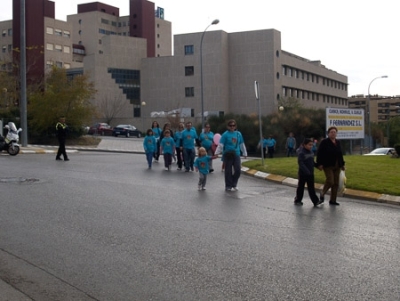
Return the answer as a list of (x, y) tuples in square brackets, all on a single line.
[(306, 162), (329, 153)]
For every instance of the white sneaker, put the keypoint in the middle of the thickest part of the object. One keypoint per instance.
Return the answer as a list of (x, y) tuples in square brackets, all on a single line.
[(166, 168), (235, 189), (199, 187), (203, 188)]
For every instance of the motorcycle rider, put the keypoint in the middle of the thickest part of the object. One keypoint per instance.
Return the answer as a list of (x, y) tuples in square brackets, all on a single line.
[(61, 129)]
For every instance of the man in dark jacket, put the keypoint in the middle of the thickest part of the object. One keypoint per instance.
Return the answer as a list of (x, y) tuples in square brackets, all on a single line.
[(330, 160), (61, 130)]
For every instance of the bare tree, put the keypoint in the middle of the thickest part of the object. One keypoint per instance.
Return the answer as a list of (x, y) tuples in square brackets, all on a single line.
[(110, 106)]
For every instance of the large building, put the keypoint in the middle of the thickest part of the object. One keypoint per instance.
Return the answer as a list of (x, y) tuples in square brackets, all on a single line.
[(231, 64), (382, 107), (129, 59)]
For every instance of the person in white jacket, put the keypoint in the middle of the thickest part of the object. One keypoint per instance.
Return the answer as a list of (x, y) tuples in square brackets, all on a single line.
[(231, 145)]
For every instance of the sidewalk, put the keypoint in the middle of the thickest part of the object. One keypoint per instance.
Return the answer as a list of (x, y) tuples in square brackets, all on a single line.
[(135, 146)]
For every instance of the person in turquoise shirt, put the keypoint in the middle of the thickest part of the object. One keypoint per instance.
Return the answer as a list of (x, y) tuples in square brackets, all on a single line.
[(202, 166), (189, 137), (270, 144), (206, 141), (167, 148), (178, 144), (157, 133), (149, 145), (231, 145)]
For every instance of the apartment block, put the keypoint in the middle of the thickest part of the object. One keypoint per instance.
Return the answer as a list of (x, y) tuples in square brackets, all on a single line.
[(382, 107)]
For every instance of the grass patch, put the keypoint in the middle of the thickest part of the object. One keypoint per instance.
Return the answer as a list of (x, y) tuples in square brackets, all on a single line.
[(369, 173)]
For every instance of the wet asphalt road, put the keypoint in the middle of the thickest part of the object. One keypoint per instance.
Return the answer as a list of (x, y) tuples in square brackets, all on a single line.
[(103, 227)]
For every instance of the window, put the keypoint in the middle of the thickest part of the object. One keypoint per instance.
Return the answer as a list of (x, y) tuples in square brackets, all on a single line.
[(189, 91), (10, 32), (284, 70), (114, 23), (49, 63), (49, 30), (80, 32), (58, 48), (67, 34), (189, 70), (67, 49), (49, 46), (9, 48), (59, 64), (58, 32), (189, 49), (105, 21), (4, 33), (4, 49), (67, 66)]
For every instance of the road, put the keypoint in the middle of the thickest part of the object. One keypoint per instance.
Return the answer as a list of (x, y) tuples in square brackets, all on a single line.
[(103, 227)]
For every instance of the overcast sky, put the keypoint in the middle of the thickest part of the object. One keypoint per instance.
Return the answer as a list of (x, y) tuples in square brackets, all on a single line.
[(359, 39)]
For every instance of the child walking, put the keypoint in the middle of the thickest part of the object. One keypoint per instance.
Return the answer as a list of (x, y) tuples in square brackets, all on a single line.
[(202, 166), (306, 173), (167, 148), (149, 145)]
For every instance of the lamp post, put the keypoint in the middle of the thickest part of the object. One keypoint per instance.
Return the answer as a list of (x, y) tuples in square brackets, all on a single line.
[(257, 92), (369, 112), (216, 21), (141, 114)]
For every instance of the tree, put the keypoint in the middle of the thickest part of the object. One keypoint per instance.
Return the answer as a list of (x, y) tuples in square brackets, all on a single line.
[(61, 96), (110, 106)]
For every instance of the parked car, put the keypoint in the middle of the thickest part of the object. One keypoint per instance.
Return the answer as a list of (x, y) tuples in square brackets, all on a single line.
[(381, 151), (102, 129), (126, 130)]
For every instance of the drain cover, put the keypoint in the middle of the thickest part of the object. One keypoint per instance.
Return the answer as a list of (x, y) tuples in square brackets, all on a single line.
[(18, 180)]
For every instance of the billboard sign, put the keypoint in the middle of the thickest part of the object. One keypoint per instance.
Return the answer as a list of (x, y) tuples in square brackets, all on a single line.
[(349, 122)]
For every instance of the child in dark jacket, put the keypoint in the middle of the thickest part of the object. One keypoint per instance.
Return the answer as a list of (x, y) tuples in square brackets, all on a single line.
[(306, 163)]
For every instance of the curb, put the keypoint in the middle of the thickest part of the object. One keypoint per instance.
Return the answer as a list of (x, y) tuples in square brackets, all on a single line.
[(350, 193)]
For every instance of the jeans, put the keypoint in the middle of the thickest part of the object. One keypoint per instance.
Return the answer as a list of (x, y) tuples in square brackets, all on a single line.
[(271, 151), (179, 157), (188, 157), (231, 179), (290, 151), (149, 158)]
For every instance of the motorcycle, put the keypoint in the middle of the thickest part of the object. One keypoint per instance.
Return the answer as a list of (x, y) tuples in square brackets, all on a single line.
[(10, 142)]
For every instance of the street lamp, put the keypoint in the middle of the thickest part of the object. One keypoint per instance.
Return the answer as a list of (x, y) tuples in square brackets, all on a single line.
[(141, 114), (216, 21), (369, 112)]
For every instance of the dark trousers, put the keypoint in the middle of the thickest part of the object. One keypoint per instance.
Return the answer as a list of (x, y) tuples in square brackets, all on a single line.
[(332, 174), (310, 186), (167, 160), (271, 151), (232, 171), (179, 157), (188, 156), (61, 148), (157, 151), (290, 151)]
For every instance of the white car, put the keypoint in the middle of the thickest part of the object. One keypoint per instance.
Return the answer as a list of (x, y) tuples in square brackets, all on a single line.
[(381, 151)]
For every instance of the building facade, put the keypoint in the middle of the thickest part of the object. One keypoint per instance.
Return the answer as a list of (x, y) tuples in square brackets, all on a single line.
[(382, 107), (129, 59), (231, 63)]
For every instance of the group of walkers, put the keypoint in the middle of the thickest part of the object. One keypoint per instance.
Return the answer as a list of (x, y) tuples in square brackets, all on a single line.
[(181, 147)]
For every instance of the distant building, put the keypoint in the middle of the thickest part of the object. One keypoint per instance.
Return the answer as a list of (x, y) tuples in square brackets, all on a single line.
[(382, 107), (129, 59)]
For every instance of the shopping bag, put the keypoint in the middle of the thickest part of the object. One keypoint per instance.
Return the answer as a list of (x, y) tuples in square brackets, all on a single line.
[(342, 182)]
